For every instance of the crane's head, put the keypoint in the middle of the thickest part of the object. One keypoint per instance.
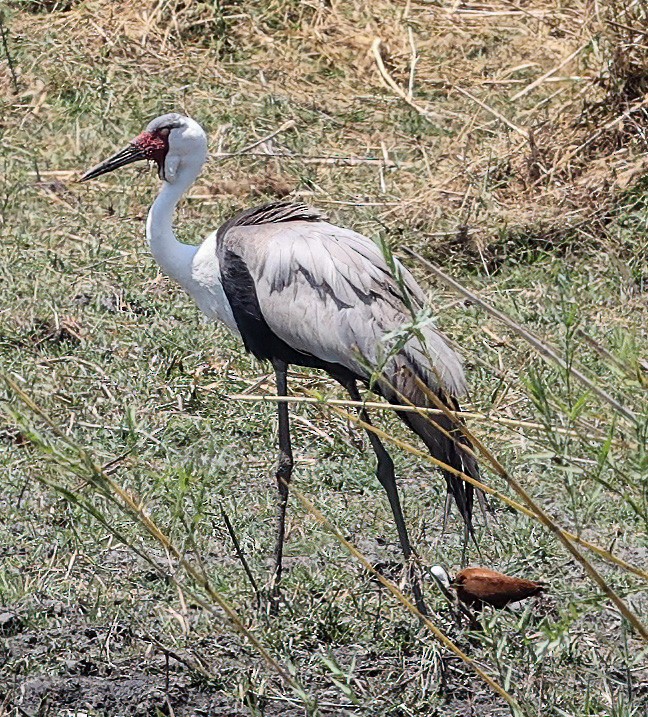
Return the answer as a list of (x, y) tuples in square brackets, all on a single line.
[(172, 141)]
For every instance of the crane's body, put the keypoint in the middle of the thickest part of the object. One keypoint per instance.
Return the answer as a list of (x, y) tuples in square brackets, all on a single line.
[(299, 290)]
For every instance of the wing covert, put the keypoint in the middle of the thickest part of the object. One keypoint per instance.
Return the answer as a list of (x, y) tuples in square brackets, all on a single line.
[(328, 292)]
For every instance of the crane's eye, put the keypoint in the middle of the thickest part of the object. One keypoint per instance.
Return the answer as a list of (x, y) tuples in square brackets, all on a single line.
[(164, 131)]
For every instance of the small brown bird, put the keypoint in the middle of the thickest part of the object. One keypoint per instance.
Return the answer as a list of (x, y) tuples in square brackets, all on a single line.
[(476, 586)]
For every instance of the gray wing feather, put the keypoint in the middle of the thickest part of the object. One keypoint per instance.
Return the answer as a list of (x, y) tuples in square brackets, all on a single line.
[(328, 292)]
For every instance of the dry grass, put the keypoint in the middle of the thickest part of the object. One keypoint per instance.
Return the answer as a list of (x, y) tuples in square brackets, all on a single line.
[(584, 118)]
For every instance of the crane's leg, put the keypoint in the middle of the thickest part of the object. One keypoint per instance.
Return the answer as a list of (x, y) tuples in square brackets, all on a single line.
[(283, 473), (387, 478)]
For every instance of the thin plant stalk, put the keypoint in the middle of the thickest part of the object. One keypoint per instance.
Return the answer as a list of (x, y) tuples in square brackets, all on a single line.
[(543, 349), (108, 486), (601, 552)]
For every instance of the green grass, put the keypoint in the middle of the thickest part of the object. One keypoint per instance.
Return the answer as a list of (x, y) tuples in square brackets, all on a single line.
[(122, 362)]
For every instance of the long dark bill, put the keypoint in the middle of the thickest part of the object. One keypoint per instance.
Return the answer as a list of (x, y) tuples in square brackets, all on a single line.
[(129, 154)]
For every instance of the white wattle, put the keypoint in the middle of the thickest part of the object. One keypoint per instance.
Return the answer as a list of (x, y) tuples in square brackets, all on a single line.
[(195, 268)]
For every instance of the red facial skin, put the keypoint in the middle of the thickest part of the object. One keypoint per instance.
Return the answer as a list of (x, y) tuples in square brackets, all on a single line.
[(148, 145), (154, 145)]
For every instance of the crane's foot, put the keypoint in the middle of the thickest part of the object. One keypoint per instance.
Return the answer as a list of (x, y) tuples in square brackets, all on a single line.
[(395, 570)]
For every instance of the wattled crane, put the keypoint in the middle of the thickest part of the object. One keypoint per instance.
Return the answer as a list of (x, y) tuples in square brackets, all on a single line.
[(298, 290)]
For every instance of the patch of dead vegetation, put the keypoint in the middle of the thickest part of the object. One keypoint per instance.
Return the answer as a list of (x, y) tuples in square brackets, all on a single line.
[(43, 6), (530, 111), (56, 330), (266, 183), (527, 114)]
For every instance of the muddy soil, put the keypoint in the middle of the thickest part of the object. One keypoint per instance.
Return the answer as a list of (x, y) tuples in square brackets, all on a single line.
[(56, 661), (73, 667)]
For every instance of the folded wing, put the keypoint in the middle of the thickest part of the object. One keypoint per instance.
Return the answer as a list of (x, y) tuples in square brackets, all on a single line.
[(328, 292), (315, 294)]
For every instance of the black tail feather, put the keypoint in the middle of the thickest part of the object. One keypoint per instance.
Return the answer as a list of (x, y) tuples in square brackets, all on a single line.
[(441, 434), (448, 449)]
